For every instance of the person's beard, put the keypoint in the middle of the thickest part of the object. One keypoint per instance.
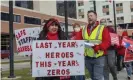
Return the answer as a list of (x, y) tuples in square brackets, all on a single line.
[(92, 22)]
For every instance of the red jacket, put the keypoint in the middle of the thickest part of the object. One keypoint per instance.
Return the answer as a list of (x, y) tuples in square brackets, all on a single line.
[(106, 41), (77, 35), (121, 49)]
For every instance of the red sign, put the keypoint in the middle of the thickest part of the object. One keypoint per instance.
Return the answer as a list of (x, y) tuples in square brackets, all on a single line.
[(128, 43), (128, 55), (114, 39)]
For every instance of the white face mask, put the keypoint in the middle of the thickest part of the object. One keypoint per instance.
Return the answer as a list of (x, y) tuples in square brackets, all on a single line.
[(76, 29)]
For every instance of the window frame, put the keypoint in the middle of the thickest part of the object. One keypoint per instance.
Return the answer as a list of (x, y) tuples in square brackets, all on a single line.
[(32, 20)]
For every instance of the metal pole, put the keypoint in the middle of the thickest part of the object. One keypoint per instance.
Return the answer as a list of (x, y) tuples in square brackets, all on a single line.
[(94, 3), (11, 39), (114, 16), (66, 18), (132, 35)]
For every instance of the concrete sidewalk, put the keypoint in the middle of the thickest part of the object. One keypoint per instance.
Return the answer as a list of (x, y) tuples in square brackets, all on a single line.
[(122, 75)]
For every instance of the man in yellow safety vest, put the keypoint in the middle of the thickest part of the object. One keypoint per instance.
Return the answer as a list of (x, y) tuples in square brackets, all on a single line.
[(97, 40)]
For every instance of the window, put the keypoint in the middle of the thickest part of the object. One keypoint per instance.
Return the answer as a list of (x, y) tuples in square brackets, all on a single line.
[(132, 17), (5, 42), (24, 4), (81, 16), (107, 13), (120, 20), (131, 6), (80, 3), (91, 8), (108, 19), (131, 9), (5, 17), (119, 5), (107, 6), (119, 8), (31, 20), (71, 5), (81, 13), (81, 10), (106, 10), (71, 8), (17, 18)]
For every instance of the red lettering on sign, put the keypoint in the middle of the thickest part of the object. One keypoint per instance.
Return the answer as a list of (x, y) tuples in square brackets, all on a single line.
[(58, 72), (67, 44), (67, 63), (67, 71), (41, 64), (67, 54), (37, 64), (63, 55), (47, 54), (24, 48), (37, 45), (71, 55), (44, 45), (63, 72), (59, 55), (53, 72), (52, 54), (44, 64), (73, 63), (20, 34), (48, 72), (49, 64)]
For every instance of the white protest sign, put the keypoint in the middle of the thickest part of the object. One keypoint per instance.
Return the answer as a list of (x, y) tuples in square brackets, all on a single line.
[(24, 39), (58, 58)]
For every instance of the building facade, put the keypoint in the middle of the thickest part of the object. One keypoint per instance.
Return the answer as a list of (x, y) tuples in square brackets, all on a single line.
[(104, 9), (29, 14), (32, 13)]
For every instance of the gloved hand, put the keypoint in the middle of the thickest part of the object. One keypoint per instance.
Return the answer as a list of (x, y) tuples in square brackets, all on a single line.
[(96, 48)]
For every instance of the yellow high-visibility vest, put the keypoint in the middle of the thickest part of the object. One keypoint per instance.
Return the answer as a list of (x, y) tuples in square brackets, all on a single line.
[(95, 38)]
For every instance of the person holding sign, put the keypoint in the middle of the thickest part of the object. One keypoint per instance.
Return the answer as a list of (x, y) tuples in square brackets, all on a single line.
[(97, 41), (51, 31), (121, 51), (75, 36), (76, 32)]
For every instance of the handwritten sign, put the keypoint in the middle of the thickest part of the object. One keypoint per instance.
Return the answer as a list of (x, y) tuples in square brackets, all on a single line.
[(24, 38), (58, 58)]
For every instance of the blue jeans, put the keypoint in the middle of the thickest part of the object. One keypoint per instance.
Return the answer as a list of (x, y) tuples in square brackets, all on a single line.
[(81, 77), (128, 66), (95, 67)]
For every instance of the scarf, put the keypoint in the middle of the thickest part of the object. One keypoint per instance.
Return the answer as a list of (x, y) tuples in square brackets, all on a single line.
[(52, 36)]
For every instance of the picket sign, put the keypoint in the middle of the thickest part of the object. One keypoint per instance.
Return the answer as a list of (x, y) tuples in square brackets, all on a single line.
[(58, 58), (24, 38)]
